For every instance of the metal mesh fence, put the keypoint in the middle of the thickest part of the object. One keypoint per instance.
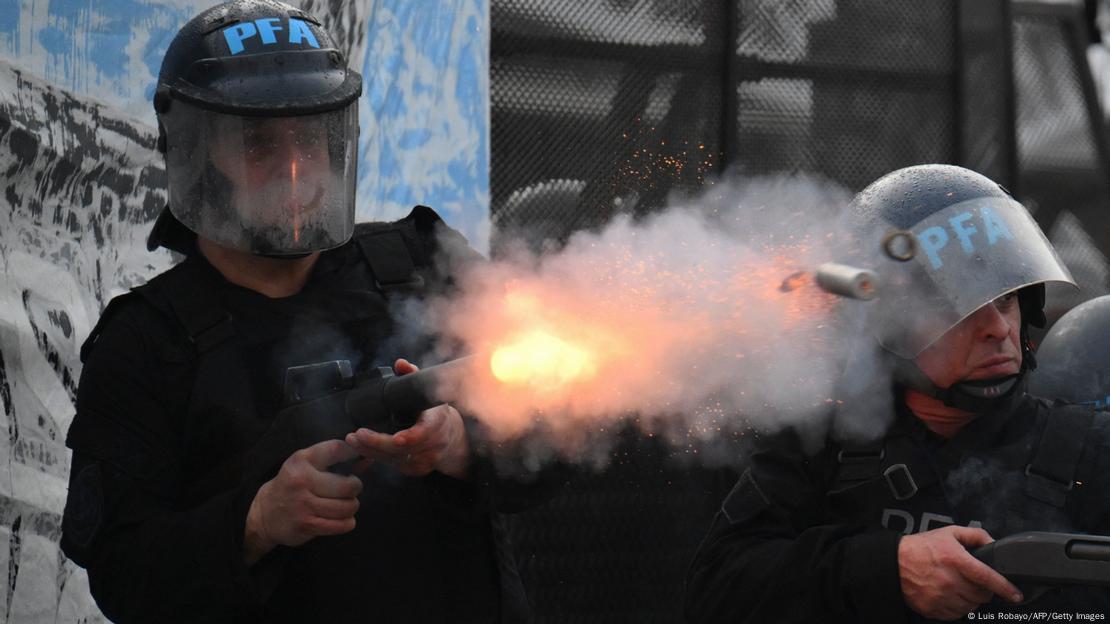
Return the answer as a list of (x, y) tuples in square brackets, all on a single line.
[(609, 106), (1061, 145), (847, 89), (1053, 130), (600, 107), (615, 546)]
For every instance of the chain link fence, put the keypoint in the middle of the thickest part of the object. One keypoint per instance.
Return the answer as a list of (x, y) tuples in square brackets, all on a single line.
[(1062, 150)]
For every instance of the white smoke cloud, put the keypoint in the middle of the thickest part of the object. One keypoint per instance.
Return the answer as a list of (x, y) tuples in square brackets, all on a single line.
[(702, 322)]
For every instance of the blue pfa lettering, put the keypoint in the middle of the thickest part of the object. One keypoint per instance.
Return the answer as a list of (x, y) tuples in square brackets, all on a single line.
[(298, 30), (996, 227), (933, 240), (235, 35), (965, 228), (266, 30)]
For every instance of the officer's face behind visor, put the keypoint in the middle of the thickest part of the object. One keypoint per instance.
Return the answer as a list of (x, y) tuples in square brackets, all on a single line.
[(985, 345), (269, 185)]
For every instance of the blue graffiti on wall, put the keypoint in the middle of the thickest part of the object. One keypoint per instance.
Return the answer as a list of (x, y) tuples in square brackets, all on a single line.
[(426, 106)]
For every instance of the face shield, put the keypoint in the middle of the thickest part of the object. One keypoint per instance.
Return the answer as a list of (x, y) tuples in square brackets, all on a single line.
[(966, 255), (265, 185)]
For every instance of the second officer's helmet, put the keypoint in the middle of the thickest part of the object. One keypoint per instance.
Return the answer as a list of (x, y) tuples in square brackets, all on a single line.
[(258, 118), (1074, 358), (953, 240)]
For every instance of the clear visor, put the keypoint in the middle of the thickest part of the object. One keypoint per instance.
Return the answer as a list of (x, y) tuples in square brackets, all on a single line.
[(966, 256), (267, 185)]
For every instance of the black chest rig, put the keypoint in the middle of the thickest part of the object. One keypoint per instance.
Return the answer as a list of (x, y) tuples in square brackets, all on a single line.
[(909, 483), (227, 380)]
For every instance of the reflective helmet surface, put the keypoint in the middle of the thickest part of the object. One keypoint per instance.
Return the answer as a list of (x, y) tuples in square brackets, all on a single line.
[(259, 122), (954, 241), (1073, 361)]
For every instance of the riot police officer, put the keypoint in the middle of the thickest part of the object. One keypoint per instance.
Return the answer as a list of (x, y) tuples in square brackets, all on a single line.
[(1072, 357), (257, 114), (879, 530)]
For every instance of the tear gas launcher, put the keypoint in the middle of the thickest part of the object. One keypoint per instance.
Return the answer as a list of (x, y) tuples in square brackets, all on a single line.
[(326, 401), (1036, 560)]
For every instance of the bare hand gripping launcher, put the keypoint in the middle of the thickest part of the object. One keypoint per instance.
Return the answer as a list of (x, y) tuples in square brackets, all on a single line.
[(390, 403), (1035, 561), (325, 401)]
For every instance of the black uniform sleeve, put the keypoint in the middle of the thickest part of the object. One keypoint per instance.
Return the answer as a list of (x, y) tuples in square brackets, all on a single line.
[(766, 558), (149, 557)]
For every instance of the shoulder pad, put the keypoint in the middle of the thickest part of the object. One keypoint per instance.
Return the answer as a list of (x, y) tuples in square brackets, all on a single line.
[(398, 251), (153, 291), (114, 306), (158, 293), (393, 255), (408, 241), (424, 218), (1051, 473), (421, 219)]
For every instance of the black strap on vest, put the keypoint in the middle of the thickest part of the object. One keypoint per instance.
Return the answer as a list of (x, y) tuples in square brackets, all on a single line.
[(900, 480), (390, 260), (1051, 473), (859, 462), (860, 467), (193, 299), (1049, 476)]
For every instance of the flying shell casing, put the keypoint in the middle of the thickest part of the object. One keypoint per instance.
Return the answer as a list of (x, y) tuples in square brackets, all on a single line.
[(847, 281)]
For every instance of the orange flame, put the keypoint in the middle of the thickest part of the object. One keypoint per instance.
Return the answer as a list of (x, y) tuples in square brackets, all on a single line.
[(542, 361)]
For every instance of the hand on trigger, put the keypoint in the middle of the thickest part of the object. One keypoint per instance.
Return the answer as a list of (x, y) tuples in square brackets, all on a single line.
[(942, 580)]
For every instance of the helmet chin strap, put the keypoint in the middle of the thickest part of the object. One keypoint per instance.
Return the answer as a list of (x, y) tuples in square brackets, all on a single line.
[(977, 396)]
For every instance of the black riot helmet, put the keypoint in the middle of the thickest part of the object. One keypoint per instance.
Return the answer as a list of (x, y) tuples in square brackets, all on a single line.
[(1074, 357), (952, 242), (258, 119)]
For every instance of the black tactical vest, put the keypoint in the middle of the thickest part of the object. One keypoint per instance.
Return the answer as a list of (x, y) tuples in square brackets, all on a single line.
[(1019, 481), (411, 541)]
